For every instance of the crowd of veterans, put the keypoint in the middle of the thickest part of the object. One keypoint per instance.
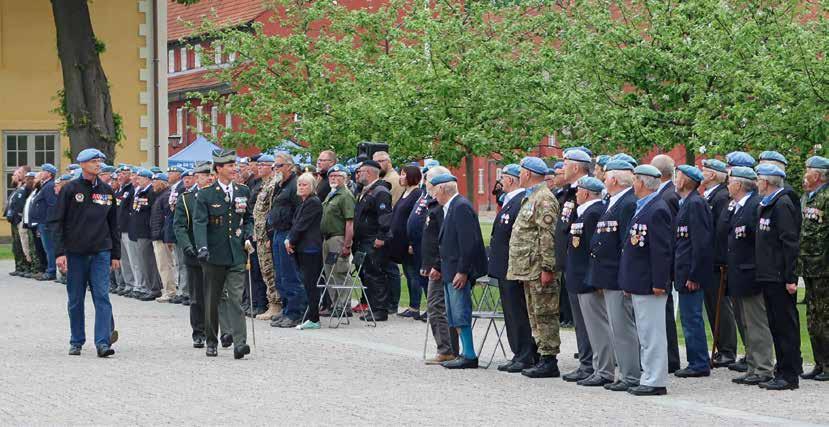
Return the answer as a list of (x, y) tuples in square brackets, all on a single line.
[(608, 241)]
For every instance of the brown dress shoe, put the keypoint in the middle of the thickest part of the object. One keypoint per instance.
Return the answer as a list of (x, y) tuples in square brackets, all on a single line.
[(440, 358)]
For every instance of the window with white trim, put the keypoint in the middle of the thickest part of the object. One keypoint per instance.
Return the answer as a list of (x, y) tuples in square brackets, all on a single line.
[(179, 121), (171, 61), (217, 53), (228, 118), (197, 56), (214, 118), (199, 121), (29, 148), (183, 55), (481, 181), (231, 57)]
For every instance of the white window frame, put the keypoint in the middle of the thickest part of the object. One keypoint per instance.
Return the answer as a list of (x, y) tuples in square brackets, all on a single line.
[(171, 61), (228, 117), (197, 56), (480, 180), (217, 53), (199, 121), (30, 153), (183, 57), (214, 119), (231, 57), (179, 121)]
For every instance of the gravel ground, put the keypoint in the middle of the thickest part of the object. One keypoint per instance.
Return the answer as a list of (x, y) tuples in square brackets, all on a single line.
[(351, 375)]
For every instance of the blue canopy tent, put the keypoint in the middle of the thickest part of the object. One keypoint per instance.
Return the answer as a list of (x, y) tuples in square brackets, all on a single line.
[(200, 150), (299, 153)]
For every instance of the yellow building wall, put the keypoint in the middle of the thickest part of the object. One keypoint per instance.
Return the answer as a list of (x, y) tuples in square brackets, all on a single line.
[(30, 73)]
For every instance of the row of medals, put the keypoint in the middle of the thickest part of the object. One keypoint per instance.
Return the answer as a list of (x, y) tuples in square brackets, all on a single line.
[(637, 234)]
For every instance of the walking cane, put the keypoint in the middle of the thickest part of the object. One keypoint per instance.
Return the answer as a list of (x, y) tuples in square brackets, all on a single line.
[(716, 330), (250, 296)]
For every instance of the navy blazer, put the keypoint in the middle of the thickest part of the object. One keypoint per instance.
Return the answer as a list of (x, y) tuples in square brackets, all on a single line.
[(646, 258), (693, 257), (567, 202), (461, 244), (606, 244), (577, 274), (501, 232), (742, 269), (718, 200), (43, 203), (778, 240), (669, 195)]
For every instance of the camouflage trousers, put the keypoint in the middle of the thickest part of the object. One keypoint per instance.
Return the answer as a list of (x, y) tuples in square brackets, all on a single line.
[(543, 309), (817, 313), (266, 266), (21, 264)]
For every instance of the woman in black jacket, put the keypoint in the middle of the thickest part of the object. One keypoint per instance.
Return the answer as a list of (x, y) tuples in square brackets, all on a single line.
[(305, 243), (400, 245)]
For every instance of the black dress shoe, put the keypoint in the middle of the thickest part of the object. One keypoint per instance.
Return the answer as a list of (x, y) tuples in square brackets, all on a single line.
[(517, 367), (505, 367), (822, 377), (643, 390), (147, 297), (721, 361), (378, 317), (547, 367), (817, 370), (739, 366), (689, 373), (240, 351), (461, 363), (594, 381), (105, 351), (175, 299), (751, 379), (198, 342), (780, 384), (672, 369), (576, 376), (618, 386), (226, 340), (74, 350), (185, 301), (211, 351)]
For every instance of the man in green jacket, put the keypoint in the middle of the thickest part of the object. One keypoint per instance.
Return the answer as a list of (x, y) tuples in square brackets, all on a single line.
[(222, 227)]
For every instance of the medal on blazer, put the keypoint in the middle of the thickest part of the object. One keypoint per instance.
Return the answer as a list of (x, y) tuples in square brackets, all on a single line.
[(576, 231)]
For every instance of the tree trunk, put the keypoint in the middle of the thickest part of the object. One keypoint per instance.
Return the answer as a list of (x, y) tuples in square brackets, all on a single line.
[(470, 179), (690, 156), (87, 103)]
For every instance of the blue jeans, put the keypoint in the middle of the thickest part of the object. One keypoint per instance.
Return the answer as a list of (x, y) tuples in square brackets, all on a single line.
[(414, 281), (458, 304), (693, 327), (288, 284), (94, 270), (48, 247)]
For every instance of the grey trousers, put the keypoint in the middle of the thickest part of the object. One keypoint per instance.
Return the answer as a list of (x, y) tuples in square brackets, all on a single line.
[(127, 260), (653, 340), (144, 267), (596, 323), (582, 340), (182, 285), (757, 337), (223, 302), (727, 340), (446, 338), (340, 269), (625, 339)]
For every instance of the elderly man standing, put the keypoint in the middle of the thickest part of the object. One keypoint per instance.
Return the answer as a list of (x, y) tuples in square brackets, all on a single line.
[(776, 249), (814, 261), (645, 274), (532, 262), (388, 174), (147, 280), (463, 260), (14, 214), (281, 217), (693, 268), (42, 206), (123, 200), (337, 228)]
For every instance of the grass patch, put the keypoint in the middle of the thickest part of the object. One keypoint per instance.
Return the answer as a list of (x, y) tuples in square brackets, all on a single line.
[(6, 251)]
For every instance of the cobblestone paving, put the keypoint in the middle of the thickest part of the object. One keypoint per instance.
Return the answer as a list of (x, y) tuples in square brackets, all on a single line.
[(351, 375)]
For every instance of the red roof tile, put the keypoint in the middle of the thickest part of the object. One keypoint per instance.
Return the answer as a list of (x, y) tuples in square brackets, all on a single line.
[(190, 81), (227, 13)]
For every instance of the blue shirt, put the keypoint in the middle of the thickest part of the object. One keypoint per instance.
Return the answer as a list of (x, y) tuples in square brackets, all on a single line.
[(812, 194), (644, 201), (766, 200)]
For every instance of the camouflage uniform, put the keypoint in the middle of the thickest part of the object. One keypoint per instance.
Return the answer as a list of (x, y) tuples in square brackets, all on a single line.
[(532, 250), (813, 266), (260, 235)]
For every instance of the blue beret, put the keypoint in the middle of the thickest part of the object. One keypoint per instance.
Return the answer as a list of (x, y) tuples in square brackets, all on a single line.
[(442, 179), (90, 154), (243, 160), (123, 167), (625, 157), (74, 166), (161, 177), (66, 177), (577, 155), (430, 163), (714, 164), (767, 169), (774, 156), (743, 172), (144, 173), (534, 165), (31, 174), (647, 170), (512, 169), (188, 172), (48, 167), (108, 169), (740, 158), (558, 165), (602, 160), (266, 158), (691, 172), (579, 148), (618, 165), (338, 168), (591, 184), (175, 169), (817, 162), (156, 169)]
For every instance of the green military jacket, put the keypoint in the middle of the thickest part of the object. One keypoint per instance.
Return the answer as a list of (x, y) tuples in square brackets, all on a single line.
[(261, 210), (183, 220), (222, 225), (337, 208), (532, 243), (813, 260)]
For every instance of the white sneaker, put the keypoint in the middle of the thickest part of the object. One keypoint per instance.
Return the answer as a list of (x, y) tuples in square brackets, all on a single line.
[(308, 325)]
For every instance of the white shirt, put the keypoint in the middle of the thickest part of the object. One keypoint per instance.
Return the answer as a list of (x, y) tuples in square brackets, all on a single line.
[(27, 205), (512, 194), (580, 210), (228, 189), (741, 202), (449, 203), (711, 190), (615, 198)]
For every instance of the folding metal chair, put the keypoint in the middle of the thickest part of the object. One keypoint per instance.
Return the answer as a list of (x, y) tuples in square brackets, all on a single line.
[(489, 308), (352, 284)]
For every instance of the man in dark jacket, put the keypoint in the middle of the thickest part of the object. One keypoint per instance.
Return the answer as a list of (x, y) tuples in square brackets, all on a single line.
[(284, 205), (777, 247), (14, 214), (147, 282), (123, 201), (693, 267), (162, 245), (42, 205)]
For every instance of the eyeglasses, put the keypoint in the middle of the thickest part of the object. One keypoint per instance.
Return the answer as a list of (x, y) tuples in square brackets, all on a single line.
[(324, 160), (278, 165)]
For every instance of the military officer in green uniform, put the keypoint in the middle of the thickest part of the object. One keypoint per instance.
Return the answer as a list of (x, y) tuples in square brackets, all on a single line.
[(222, 227), (813, 261), (532, 262)]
